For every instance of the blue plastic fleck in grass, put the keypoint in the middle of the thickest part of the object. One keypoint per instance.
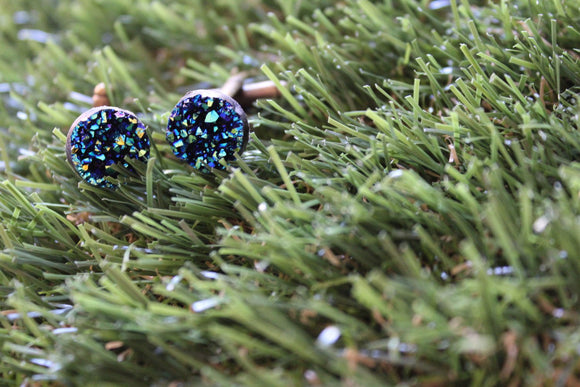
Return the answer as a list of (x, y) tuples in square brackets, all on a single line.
[(102, 137), (207, 128)]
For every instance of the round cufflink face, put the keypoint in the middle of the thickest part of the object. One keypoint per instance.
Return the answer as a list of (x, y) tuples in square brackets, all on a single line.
[(207, 128), (102, 137)]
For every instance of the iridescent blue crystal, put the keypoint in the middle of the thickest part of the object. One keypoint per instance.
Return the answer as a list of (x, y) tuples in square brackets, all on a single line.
[(206, 129), (103, 137)]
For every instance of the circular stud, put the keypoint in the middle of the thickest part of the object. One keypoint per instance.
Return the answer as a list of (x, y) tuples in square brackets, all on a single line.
[(102, 137), (207, 128)]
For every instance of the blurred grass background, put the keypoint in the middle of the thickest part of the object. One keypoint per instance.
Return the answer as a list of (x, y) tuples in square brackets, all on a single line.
[(406, 214)]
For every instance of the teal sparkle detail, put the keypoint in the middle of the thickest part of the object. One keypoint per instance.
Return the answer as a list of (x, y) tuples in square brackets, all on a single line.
[(212, 117), (102, 139), (204, 130)]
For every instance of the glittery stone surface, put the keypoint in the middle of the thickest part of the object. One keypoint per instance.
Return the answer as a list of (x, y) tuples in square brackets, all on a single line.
[(206, 128), (103, 137)]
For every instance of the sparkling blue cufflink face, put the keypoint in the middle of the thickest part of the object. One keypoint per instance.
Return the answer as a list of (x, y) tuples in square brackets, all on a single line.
[(102, 137), (207, 128)]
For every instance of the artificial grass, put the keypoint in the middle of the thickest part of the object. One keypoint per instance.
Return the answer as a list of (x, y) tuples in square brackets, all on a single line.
[(405, 214)]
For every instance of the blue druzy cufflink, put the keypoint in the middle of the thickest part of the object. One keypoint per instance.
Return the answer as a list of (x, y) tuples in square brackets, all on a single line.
[(102, 137), (206, 127)]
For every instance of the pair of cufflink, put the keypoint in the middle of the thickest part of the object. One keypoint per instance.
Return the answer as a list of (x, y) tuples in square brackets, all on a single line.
[(206, 129)]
